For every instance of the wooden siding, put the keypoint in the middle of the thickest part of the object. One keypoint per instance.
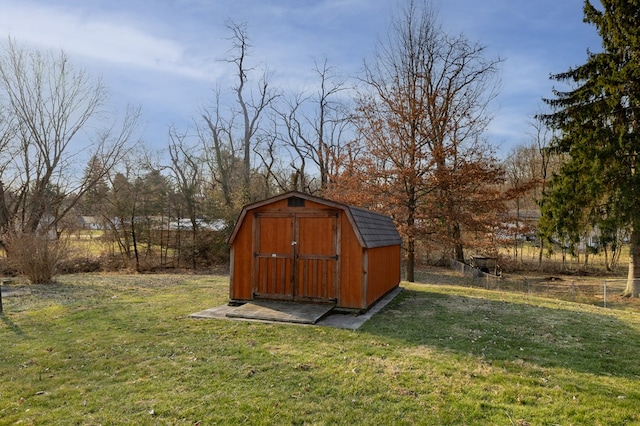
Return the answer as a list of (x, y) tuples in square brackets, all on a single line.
[(384, 272), (351, 290), (309, 250), (241, 258)]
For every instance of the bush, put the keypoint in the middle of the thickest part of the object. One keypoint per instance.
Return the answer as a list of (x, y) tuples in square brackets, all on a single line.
[(210, 248), (35, 256)]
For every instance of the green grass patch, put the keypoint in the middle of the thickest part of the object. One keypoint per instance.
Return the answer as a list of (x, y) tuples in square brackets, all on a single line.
[(112, 349)]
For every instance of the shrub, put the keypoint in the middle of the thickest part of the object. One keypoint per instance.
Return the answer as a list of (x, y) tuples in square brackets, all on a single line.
[(35, 256)]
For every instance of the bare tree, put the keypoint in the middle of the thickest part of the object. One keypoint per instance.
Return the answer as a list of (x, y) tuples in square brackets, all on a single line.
[(229, 136), (120, 212), (7, 134), (186, 170), (522, 178), (274, 173), (542, 135), (313, 129), (329, 122), (51, 107), (216, 137), (251, 103), (288, 128), (421, 116)]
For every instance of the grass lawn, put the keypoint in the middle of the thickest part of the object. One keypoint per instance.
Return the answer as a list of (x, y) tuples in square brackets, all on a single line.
[(113, 349)]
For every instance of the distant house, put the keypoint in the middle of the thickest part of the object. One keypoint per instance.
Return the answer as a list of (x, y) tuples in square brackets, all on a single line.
[(300, 248), (92, 223), (184, 224), (521, 224)]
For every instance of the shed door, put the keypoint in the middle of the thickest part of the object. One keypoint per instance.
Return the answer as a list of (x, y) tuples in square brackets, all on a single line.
[(273, 257), (297, 257), (316, 255)]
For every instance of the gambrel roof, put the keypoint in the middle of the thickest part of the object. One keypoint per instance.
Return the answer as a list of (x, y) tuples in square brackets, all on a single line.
[(376, 230), (372, 229)]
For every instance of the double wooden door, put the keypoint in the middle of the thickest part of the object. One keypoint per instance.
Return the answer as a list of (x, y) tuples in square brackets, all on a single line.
[(296, 256)]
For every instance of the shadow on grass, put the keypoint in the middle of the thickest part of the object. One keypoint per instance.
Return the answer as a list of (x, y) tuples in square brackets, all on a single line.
[(565, 336), (15, 328)]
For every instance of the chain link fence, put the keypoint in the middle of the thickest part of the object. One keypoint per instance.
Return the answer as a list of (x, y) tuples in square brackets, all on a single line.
[(595, 292)]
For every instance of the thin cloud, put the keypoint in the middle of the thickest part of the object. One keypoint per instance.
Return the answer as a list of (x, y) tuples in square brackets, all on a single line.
[(98, 38), (168, 55)]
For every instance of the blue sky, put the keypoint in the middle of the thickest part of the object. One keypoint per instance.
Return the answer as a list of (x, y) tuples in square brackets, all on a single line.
[(167, 55)]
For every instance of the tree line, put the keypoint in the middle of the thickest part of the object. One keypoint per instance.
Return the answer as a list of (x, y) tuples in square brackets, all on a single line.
[(406, 138)]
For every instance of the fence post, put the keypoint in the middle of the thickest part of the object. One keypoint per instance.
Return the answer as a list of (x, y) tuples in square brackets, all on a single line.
[(604, 291), (0, 297), (573, 291)]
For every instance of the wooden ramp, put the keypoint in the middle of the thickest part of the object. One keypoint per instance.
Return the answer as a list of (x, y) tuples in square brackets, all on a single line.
[(299, 313)]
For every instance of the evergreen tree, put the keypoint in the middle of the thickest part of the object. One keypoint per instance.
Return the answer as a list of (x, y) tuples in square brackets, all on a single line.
[(599, 132)]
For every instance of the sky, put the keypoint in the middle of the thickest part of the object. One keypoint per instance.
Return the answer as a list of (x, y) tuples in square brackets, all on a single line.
[(167, 56)]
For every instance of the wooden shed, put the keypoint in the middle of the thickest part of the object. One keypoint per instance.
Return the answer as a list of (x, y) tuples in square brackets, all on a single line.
[(301, 248)]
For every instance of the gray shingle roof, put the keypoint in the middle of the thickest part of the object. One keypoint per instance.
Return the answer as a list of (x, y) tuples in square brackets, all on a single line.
[(377, 230)]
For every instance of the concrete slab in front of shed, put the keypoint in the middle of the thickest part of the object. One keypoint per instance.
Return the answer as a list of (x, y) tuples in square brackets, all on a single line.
[(267, 310)]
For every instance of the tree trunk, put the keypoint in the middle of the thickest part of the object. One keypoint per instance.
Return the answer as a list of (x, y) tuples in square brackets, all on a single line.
[(411, 260), (633, 278), (586, 258), (540, 252), (135, 243), (457, 245), (517, 230), (194, 237), (411, 239), (4, 211)]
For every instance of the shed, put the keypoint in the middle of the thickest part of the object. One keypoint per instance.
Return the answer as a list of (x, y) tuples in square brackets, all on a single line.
[(301, 248)]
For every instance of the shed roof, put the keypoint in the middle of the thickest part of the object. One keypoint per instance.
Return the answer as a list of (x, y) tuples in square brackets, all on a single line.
[(377, 230), (372, 229)]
